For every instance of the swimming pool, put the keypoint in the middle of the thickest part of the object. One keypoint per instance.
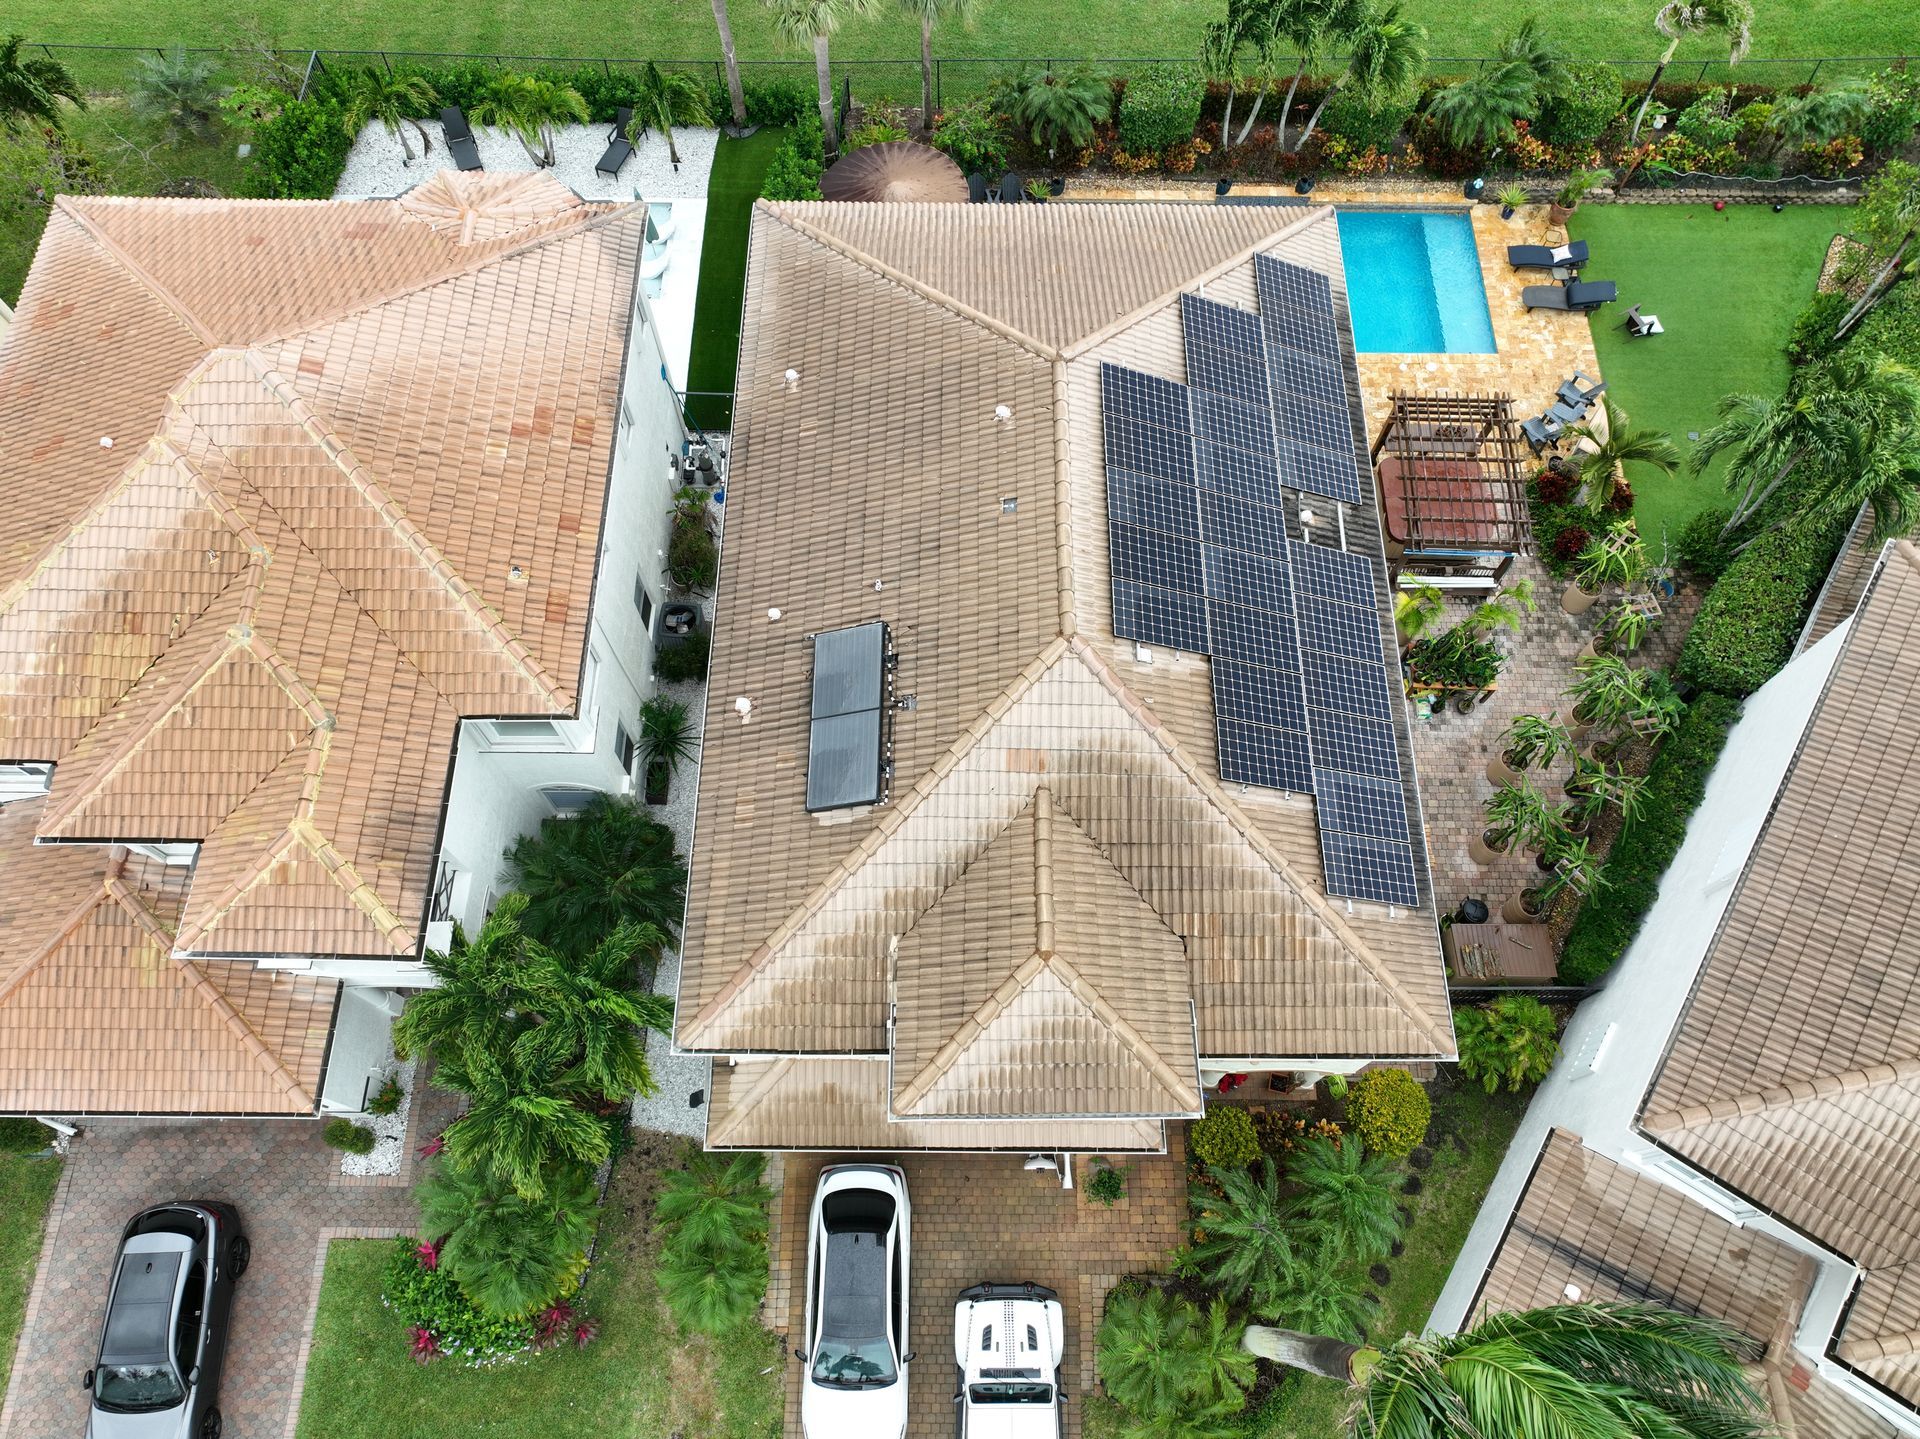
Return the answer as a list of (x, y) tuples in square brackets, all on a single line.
[(1413, 283)]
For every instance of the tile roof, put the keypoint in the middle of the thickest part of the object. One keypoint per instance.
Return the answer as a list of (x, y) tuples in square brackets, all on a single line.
[(96, 1017), (881, 484), (360, 457), (1794, 1075)]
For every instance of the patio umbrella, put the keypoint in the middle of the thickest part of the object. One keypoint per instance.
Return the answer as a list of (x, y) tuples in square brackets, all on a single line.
[(894, 170)]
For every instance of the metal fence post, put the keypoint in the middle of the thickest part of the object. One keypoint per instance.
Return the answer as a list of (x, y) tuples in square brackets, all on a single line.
[(1816, 70), (385, 61)]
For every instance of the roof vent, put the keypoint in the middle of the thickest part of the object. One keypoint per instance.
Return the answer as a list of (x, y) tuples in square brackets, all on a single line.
[(774, 613), (792, 377), (1009, 504), (743, 707), (847, 740), (1573, 1292), (1003, 413), (106, 442)]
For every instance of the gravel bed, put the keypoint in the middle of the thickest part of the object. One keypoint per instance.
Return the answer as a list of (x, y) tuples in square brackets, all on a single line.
[(389, 1132), (377, 169)]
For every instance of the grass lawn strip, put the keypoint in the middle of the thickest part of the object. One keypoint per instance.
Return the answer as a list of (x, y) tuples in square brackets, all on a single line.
[(1727, 287), (738, 168), (638, 1380), (26, 1191)]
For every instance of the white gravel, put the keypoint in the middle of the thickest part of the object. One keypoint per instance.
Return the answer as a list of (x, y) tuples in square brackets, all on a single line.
[(389, 1132), (376, 169)]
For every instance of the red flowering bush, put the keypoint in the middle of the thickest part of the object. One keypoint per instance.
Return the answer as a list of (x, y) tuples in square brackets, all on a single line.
[(429, 1254), (1568, 544), (584, 1333), (426, 1348)]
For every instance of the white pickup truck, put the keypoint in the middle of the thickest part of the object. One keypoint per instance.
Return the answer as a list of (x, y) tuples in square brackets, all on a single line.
[(1007, 1343)]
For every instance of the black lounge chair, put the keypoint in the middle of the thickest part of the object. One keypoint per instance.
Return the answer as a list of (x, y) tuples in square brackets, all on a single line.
[(1574, 295), (977, 192), (619, 147), (1574, 393), (1548, 257), (1013, 189), (460, 143)]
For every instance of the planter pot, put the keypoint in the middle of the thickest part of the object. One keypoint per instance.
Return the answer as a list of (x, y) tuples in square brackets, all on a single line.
[(1482, 852), (1558, 214), (1515, 911), (659, 779), (1576, 601), (1578, 728), (1499, 772), (1057, 185), (1587, 652), (1506, 212)]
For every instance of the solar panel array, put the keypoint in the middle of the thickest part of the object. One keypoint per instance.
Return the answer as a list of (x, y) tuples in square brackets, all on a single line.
[(1196, 479)]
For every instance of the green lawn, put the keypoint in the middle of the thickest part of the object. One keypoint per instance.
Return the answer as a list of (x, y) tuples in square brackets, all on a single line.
[(683, 29), (639, 1380), (1727, 287), (26, 1189), (738, 166)]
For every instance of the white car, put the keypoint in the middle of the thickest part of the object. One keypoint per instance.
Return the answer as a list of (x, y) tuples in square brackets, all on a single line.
[(859, 1242), (1007, 1343)]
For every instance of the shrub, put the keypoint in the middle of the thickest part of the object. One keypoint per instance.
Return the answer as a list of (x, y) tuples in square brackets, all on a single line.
[(1812, 335), (874, 132), (794, 172), (1893, 326), (1107, 1184), (1350, 118), (1389, 1110), (774, 102), (1223, 1139), (587, 874), (344, 1134), (973, 136), (1750, 620), (430, 1299), (300, 153), (1895, 111), (1160, 107), (1512, 1041), (1171, 1363), (1584, 102), (1610, 917), (693, 559), (386, 1099), (683, 662), (1708, 121), (24, 1136), (1701, 546), (510, 1256)]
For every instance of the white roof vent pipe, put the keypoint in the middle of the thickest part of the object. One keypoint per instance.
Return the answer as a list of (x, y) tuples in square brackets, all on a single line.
[(744, 708), (1003, 413), (792, 378)]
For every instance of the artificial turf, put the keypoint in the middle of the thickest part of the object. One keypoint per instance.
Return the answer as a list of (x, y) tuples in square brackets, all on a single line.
[(1727, 287), (738, 167)]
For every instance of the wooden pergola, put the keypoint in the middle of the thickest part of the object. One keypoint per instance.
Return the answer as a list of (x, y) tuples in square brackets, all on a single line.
[(1453, 475)]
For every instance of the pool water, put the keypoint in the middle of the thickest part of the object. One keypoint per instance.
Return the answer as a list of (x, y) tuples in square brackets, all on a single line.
[(1413, 284)]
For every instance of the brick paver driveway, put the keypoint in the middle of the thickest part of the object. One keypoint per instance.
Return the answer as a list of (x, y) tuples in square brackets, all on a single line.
[(981, 1217), (289, 1190)]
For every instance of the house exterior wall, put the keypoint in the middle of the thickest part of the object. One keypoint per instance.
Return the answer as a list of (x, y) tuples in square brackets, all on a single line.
[(1615, 1041)]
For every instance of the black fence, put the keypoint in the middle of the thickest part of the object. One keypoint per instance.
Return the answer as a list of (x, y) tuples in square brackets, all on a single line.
[(106, 68)]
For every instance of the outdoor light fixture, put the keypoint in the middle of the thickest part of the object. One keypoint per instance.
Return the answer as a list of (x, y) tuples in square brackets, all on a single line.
[(1304, 185), (1220, 187)]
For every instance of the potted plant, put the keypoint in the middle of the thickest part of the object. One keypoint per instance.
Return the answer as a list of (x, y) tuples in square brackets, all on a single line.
[(666, 741), (1038, 190), (1574, 870), (1578, 186), (1511, 199), (1057, 185), (1615, 558), (1415, 611), (1658, 708), (1530, 740), (1463, 662), (1623, 631), (1517, 816), (1593, 786), (1604, 691)]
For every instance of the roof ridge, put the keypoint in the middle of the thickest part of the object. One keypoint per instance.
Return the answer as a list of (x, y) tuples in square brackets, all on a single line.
[(1088, 993), (236, 1022), (75, 917), (1899, 1344), (786, 216), (138, 272), (751, 1100), (1249, 832), (269, 855), (1782, 1096), (347, 876)]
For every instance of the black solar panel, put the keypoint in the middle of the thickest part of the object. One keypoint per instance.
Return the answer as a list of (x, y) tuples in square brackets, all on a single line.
[(1258, 694), (1279, 283), (1358, 804), (1227, 372), (1365, 868), (1227, 327), (1294, 372), (1153, 504), (1255, 637), (1258, 754), (1347, 742), (1333, 574), (1339, 629), (1241, 473), (1309, 422), (1160, 617), (1154, 558), (1347, 687), (1247, 579), (1225, 421), (1150, 450), (1318, 471), (1297, 330), (1135, 395), (1242, 525)]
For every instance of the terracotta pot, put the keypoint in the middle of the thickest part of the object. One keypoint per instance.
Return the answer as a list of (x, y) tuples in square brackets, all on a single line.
[(1482, 852), (1576, 601), (1558, 214), (1499, 772), (1515, 911)]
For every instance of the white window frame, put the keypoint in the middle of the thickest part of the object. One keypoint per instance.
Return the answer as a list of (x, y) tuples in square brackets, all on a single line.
[(548, 791)]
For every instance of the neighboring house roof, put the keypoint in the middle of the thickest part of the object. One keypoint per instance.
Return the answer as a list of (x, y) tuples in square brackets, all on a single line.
[(1846, 581), (1794, 1075), (97, 1017), (881, 484), (359, 458)]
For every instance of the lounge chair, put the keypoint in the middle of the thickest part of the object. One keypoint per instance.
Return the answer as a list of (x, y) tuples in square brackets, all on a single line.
[(977, 191), (1574, 393), (1542, 431), (1639, 326), (1567, 414), (619, 147), (1574, 295), (1548, 257), (1013, 189), (460, 143)]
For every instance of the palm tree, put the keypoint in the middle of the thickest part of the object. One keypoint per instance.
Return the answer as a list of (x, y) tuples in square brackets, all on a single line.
[(1060, 109), (1850, 410), (1248, 1236), (1574, 1369), (1601, 468), (1311, 28), (1347, 1195), (1888, 482), (1386, 56), (508, 1254), (178, 90), (1543, 56), (1321, 1296), (1677, 19), (1165, 1359), (31, 89), (668, 98), (1821, 115), (524, 1120), (811, 23), (610, 864), (1259, 28), (928, 12), (393, 100), (666, 732), (717, 1201), (735, 94), (711, 1291), (1888, 219), (1220, 63), (528, 107), (591, 1023), (1481, 109)]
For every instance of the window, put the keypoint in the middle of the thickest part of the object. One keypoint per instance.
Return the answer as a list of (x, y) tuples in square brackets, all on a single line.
[(643, 602), (623, 746), (568, 798), (528, 732)]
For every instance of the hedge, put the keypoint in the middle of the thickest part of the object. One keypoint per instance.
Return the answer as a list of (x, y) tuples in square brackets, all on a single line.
[(1390, 1111), (1752, 617), (300, 153), (1581, 106), (1610, 917), (1893, 326), (794, 173), (1812, 335), (1160, 107), (1352, 119)]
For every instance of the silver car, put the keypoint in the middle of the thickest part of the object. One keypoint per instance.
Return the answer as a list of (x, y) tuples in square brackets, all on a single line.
[(165, 1337)]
